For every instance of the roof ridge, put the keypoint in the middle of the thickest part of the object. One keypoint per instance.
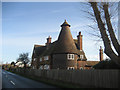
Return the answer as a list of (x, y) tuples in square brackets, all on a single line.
[(35, 45)]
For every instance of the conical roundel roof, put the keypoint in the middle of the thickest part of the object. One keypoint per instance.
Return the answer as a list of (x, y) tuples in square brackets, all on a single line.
[(65, 24), (65, 42)]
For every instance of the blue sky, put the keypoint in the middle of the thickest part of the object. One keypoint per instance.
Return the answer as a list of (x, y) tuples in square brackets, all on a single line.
[(27, 23)]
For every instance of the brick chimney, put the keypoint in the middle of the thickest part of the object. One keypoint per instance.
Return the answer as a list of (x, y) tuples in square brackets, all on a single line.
[(79, 41), (48, 40), (101, 53)]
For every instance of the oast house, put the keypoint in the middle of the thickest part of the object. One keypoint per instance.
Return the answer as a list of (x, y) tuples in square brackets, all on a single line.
[(64, 53)]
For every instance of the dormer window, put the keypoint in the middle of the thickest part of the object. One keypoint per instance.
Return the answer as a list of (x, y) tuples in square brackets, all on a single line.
[(81, 56), (70, 56), (45, 57)]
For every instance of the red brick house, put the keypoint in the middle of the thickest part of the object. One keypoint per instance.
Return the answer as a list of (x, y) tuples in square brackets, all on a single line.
[(64, 53)]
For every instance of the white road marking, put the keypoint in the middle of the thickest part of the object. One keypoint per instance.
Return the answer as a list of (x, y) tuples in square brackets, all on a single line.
[(12, 82)]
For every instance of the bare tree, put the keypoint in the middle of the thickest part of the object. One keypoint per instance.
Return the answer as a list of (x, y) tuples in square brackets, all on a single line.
[(24, 58), (89, 14), (105, 26), (13, 64)]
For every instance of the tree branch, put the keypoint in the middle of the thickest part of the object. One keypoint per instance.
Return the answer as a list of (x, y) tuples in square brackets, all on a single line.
[(110, 29), (108, 50)]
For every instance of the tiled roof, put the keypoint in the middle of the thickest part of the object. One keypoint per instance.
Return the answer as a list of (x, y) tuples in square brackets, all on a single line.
[(44, 51), (91, 63), (87, 63), (38, 50), (80, 52), (64, 44), (38, 46), (49, 50)]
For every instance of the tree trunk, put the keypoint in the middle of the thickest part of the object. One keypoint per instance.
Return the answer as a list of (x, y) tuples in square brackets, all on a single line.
[(110, 29), (108, 50)]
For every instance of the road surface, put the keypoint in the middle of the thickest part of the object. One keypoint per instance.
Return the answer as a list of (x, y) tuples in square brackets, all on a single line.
[(11, 80)]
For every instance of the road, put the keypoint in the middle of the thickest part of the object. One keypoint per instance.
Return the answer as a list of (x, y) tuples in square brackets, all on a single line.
[(11, 80)]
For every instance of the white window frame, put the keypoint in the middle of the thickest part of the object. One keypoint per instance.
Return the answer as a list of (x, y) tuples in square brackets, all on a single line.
[(70, 56), (81, 68), (46, 67), (71, 68), (81, 56), (40, 59), (46, 58)]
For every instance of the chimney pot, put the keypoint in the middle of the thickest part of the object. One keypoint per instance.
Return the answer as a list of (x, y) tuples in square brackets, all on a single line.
[(101, 53), (48, 40), (79, 43), (79, 33)]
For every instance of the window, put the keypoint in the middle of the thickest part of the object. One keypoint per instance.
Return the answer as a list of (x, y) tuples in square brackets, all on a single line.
[(40, 59), (70, 56), (41, 67), (81, 56), (81, 68), (45, 57), (70, 68), (46, 66)]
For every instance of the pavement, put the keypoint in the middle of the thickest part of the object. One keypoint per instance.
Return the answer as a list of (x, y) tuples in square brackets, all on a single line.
[(11, 80)]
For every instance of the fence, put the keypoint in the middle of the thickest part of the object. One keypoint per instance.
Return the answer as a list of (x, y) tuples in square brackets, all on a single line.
[(95, 78)]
